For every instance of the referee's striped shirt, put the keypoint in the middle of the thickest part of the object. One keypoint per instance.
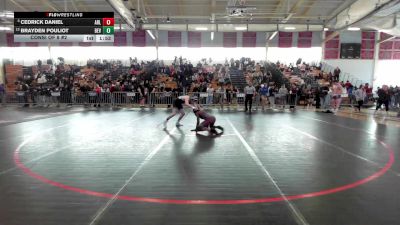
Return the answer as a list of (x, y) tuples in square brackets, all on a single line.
[(249, 90)]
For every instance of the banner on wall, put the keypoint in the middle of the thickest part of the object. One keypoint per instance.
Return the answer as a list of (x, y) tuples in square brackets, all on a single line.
[(389, 50), (332, 50), (396, 55), (285, 39), (305, 39), (385, 55), (174, 39), (332, 44), (388, 45), (230, 40), (331, 53), (194, 39), (10, 41), (367, 54), (120, 39), (368, 35), (367, 45), (139, 38), (249, 39)]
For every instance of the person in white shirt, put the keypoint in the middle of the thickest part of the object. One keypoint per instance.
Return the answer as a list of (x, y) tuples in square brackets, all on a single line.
[(210, 95), (360, 95), (337, 91), (283, 91), (221, 96)]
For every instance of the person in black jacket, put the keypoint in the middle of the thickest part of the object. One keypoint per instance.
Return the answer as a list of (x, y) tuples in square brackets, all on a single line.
[(324, 97), (317, 99), (383, 98)]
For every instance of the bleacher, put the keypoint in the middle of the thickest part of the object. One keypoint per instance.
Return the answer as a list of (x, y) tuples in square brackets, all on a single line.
[(277, 76), (237, 78)]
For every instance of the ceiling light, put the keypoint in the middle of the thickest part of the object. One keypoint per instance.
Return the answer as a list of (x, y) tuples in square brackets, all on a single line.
[(240, 28), (353, 28), (201, 28), (212, 35), (273, 35), (5, 28), (326, 29), (151, 34), (290, 28)]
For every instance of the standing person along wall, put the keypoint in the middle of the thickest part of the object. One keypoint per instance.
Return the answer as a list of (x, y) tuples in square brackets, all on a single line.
[(336, 74), (383, 98), (324, 97), (272, 91), (360, 95), (249, 92), (336, 96), (2, 93), (210, 95), (264, 95)]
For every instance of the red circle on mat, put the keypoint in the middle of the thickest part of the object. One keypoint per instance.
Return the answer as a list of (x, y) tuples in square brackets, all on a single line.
[(374, 176)]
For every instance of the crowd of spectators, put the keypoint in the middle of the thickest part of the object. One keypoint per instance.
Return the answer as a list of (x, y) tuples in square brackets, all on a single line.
[(112, 76), (272, 82), (327, 88)]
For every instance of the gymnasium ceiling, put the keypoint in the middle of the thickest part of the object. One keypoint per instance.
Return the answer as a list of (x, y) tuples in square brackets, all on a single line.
[(258, 15)]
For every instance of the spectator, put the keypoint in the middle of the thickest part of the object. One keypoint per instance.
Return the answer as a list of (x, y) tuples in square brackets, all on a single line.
[(324, 97), (383, 98), (2, 93), (283, 92), (360, 96), (347, 85), (309, 97), (317, 98), (336, 74), (271, 91), (263, 95), (221, 96), (336, 96), (210, 95), (368, 91), (229, 94)]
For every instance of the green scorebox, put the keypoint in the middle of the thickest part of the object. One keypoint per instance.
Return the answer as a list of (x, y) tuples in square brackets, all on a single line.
[(108, 30)]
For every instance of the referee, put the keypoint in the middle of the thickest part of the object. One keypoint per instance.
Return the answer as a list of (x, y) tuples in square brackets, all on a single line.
[(249, 91)]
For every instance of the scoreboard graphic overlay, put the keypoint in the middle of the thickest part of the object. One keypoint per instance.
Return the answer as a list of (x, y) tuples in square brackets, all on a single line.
[(64, 26)]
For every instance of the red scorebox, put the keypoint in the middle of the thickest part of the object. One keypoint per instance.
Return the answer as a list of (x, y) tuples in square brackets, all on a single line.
[(108, 21)]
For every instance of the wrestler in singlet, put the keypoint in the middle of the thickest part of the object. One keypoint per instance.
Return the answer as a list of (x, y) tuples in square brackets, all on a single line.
[(178, 108), (208, 122)]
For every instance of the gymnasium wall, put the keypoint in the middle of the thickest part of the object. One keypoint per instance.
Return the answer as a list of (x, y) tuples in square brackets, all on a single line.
[(363, 68), (168, 38)]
